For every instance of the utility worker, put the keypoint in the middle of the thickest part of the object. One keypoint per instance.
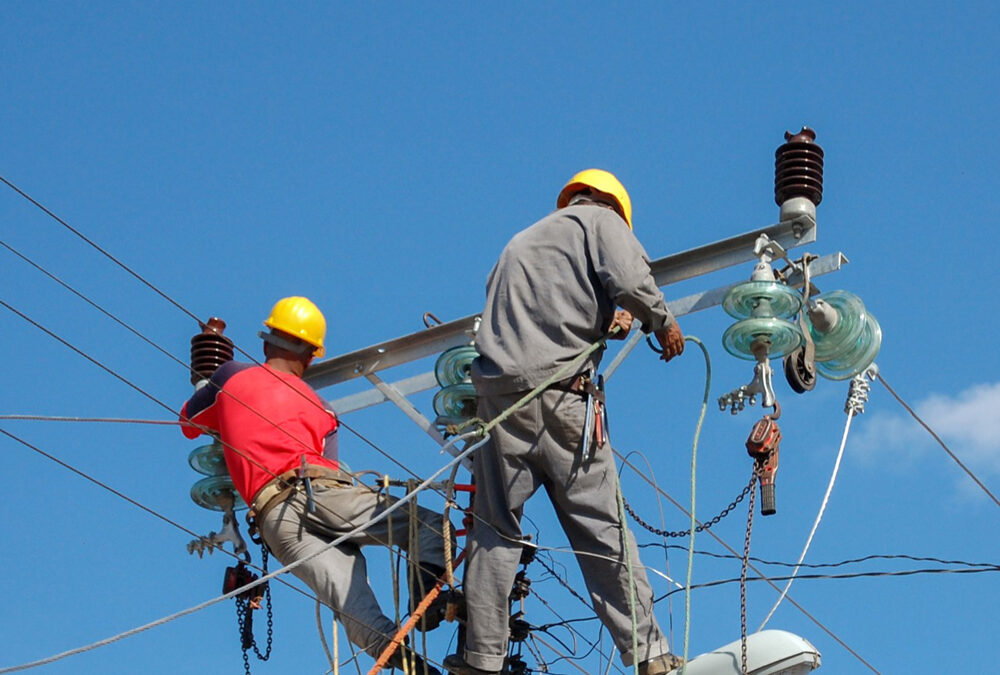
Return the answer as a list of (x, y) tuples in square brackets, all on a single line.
[(281, 452), (552, 294)]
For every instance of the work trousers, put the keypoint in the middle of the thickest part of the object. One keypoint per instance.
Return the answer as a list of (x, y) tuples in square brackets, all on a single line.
[(339, 575), (539, 446)]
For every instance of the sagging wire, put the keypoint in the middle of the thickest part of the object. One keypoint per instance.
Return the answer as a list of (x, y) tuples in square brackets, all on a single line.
[(819, 517), (147, 509), (937, 438), (165, 406), (729, 548), (846, 575), (267, 577), (663, 523), (841, 563)]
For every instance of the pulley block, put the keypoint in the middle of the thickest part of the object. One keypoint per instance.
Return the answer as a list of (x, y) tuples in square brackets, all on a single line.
[(800, 372)]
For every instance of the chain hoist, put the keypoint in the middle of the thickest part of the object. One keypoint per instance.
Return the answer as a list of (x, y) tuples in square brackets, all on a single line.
[(762, 445), (247, 602)]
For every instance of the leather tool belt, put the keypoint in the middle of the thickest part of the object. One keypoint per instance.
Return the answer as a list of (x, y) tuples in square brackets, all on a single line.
[(279, 489), (580, 384)]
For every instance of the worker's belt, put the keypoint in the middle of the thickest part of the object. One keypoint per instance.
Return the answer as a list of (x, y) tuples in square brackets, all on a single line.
[(280, 488), (579, 384)]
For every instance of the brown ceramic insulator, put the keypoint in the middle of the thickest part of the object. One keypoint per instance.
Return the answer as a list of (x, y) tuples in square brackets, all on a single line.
[(798, 168), (209, 350)]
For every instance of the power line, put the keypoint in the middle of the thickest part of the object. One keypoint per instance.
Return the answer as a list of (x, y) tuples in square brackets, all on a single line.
[(729, 548), (846, 575), (263, 579), (938, 439)]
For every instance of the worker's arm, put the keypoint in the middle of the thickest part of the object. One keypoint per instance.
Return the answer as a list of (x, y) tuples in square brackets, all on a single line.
[(198, 414), (622, 266)]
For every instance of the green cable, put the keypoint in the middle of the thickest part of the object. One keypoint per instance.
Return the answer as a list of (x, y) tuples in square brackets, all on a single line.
[(626, 551), (694, 466)]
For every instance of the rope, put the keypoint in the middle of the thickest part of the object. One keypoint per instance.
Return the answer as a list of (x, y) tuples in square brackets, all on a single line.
[(819, 516), (330, 658), (938, 439), (267, 577)]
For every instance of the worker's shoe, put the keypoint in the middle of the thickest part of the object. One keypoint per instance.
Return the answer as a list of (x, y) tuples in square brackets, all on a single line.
[(456, 665), (658, 665), (449, 606), (413, 662)]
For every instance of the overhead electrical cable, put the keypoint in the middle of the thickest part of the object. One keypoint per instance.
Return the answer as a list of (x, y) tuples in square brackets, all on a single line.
[(846, 575), (937, 438), (265, 578), (815, 526), (729, 548), (167, 407)]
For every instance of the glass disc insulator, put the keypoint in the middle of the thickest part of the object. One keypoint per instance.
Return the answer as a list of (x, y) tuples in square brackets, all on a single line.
[(848, 329), (783, 335), (215, 492), (856, 357), (208, 460), (761, 299), (454, 364), (456, 400)]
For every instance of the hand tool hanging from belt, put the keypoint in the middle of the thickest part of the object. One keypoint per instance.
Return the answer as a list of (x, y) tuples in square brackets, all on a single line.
[(595, 423)]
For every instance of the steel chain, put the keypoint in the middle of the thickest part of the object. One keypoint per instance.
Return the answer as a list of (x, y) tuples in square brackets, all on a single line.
[(700, 528), (743, 568), (242, 610)]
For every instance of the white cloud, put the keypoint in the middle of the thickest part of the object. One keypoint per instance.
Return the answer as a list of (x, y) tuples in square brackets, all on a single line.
[(969, 422)]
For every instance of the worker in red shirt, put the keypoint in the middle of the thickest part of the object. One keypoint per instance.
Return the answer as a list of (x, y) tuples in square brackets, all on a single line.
[(281, 452)]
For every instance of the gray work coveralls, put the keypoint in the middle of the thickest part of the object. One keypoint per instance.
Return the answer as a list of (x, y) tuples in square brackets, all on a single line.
[(339, 575), (551, 295)]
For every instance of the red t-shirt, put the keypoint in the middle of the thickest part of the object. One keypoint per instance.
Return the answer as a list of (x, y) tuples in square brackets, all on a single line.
[(267, 420)]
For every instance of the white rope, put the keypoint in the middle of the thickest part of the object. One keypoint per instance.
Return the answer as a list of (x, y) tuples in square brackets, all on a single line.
[(819, 516), (242, 589)]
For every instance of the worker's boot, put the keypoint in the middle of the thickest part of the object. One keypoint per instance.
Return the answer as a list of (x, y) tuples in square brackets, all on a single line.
[(658, 665), (456, 665), (438, 609), (414, 662)]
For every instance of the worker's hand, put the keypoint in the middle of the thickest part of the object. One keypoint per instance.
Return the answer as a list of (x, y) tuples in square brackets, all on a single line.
[(671, 340), (623, 320)]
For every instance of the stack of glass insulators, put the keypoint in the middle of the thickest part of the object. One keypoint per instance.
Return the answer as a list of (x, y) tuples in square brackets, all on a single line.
[(456, 402), (216, 491), (764, 308), (853, 342)]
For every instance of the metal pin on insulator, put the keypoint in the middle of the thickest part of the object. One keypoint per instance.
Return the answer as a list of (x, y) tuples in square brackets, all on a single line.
[(209, 349)]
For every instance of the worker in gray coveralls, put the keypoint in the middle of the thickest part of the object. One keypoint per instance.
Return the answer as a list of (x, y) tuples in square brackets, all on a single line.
[(553, 293)]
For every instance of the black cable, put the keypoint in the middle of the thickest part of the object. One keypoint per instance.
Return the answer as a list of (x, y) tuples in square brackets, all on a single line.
[(938, 439), (853, 575), (842, 563)]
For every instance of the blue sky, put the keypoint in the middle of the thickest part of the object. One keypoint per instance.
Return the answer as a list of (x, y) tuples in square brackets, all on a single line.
[(376, 157)]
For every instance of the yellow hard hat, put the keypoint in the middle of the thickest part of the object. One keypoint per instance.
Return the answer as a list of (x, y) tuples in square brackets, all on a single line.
[(599, 180), (300, 318)]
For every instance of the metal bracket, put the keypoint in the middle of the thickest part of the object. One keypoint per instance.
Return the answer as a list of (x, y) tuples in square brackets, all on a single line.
[(230, 532)]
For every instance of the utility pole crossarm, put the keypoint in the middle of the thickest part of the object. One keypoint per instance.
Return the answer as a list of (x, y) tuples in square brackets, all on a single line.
[(670, 269)]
